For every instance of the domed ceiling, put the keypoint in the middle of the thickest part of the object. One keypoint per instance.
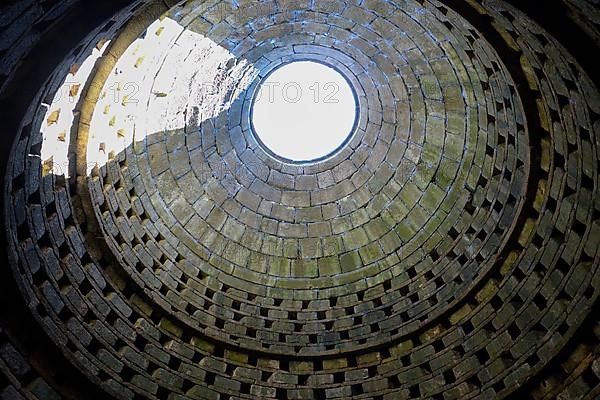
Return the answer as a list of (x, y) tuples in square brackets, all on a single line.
[(447, 249)]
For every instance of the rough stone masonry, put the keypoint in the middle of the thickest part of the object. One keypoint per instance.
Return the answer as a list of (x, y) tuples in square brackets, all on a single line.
[(154, 249)]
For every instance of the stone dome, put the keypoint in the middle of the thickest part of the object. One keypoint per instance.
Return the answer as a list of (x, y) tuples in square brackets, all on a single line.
[(157, 248)]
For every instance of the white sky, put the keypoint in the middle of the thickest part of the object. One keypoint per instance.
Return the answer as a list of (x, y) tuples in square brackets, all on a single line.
[(304, 110)]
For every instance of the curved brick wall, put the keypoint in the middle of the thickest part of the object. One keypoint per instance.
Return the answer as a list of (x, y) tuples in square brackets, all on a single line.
[(448, 251)]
